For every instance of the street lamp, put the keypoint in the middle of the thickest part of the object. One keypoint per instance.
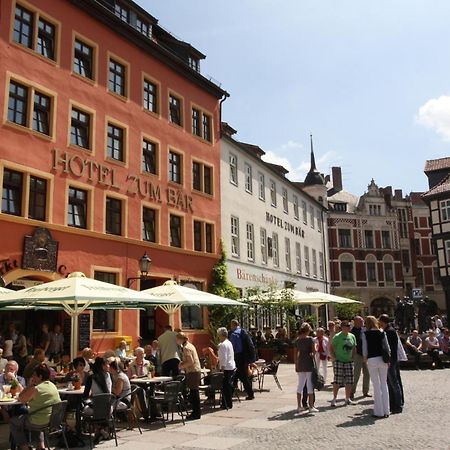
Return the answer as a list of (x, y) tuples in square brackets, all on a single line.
[(144, 267)]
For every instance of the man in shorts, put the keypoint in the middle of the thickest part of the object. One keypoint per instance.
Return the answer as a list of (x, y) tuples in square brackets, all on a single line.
[(342, 350)]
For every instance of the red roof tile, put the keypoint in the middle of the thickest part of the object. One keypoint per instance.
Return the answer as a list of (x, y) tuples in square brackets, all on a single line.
[(441, 188), (437, 164)]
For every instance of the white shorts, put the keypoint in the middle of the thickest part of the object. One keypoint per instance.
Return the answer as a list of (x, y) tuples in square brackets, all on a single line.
[(305, 377)]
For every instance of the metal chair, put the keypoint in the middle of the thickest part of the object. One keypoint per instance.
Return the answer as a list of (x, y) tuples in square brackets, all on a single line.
[(215, 385), (169, 399), (269, 369), (102, 413), (129, 410)]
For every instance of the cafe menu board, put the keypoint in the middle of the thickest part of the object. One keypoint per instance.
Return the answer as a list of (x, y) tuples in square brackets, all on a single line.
[(84, 331)]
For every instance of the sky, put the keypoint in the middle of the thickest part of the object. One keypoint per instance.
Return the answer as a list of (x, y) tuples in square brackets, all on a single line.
[(369, 79)]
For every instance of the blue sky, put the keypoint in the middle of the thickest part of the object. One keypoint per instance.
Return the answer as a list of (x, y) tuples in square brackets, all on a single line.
[(369, 79)]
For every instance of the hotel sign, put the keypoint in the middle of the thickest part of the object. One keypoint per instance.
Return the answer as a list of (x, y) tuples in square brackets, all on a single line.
[(108, 177), (285, 225)]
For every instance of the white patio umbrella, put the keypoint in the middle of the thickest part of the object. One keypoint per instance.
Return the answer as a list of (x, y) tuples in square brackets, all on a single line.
[(74, 295), (4, 291), (172, 296), (330, 298)]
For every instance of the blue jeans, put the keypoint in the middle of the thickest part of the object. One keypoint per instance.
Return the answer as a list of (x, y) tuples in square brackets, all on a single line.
[(395, 388)]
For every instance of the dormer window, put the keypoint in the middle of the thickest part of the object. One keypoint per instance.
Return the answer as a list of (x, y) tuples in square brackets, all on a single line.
[(122, 13), (194, 63), (144, 27)]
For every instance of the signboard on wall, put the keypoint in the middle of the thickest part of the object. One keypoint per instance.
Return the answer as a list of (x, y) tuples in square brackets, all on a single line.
[(84, 332)]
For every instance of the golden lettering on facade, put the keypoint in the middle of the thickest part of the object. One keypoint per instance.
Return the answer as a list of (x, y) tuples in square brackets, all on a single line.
[(178, 199)]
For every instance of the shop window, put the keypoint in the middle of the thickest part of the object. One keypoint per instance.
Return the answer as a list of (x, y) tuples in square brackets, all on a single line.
[(176, 230), (77, 208), (80, 128), (149, 156), (12, 192), (83, 60), (201, 177), (175, 110), (149, 224), (113, 223), (115, 148), (104, 320), (192, 317), (150, 96), (117, 78), (37, 200), (175, 167)]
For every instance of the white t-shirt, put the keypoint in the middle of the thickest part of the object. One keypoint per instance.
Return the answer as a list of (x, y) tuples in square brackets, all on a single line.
[(433, 341), (7, 348), (226, 355)]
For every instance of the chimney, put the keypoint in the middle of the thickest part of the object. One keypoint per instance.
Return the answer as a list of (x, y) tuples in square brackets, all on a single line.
[(336, 173), (398, 194)]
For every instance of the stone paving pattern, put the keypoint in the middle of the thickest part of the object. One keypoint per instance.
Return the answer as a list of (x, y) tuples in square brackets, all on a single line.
[(271, 422)]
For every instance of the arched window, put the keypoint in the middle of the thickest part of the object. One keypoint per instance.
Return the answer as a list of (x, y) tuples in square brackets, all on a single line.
[(347, 268), (371, 269)]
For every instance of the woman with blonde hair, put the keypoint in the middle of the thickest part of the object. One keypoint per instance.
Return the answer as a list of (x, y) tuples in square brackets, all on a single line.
[(374, 343), (304, 364)]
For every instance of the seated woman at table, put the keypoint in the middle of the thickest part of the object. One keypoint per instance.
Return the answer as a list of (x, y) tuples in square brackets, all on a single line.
[(40, 395), (88, 355), (121, 386), (78, 365), (121, 350), (140, 367), (99, 382)]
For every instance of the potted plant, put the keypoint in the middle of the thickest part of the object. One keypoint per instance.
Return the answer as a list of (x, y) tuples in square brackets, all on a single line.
[(14, 387), (76, 382), (151, 370)]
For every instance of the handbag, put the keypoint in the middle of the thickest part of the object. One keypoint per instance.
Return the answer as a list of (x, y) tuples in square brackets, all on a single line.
[(386, 350), (317, 379)]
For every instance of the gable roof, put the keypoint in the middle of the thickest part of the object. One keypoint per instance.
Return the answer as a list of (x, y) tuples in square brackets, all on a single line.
[(433, 165), (441, 188)]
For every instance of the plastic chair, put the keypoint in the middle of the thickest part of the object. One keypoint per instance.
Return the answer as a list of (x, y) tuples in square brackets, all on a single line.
[(129, 410), (169, 398), (215, 385), (102, 413), (269, 369)]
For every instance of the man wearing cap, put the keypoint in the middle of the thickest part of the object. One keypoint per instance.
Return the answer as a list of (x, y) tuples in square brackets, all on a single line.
[(342, 350)]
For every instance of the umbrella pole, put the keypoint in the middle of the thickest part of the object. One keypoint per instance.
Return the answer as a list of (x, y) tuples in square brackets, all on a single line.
[(74, 336)]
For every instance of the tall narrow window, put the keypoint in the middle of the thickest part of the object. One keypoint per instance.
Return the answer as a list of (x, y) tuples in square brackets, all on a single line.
[(148, 224), (321, 266), (285, 200), (207, 135), (319, 220), (196, 122), (261, 187), (385, 239), (149, 160), (175, 110), (17, 103), (175, 167), (306, 252), (368, 239), (273, 193), (113, 216), (122, 12), (314, 262), (46, 39), (37, 198), (248, 178), (275, 250), (232, 159), (197, 176), (298, 257), (311, 215), (263, 242), (207, 180), (150, 96), (388, 272), (12, 192), (104, 320), (371, 272), (144, 27), (305, 213), (296, 213), (345, 238), (80, 125), (235, 251), (83, 59), (198, 236), (41, 113), (287, 254), (250, 242), (175, 231), (209, 236), (77, 208), (117, 80), (346, 271), (115, 145), (23, 27)]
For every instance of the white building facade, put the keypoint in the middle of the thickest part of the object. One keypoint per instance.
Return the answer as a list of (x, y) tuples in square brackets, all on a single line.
[(274, 234)]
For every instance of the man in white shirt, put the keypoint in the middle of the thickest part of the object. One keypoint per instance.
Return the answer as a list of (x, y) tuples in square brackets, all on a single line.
[(169, 352), (227, 366)]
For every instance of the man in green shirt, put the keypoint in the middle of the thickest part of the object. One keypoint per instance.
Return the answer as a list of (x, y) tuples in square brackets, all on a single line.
[(342, 349)]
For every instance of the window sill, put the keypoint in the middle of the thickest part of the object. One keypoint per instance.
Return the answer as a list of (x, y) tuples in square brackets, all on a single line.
[(116, 161), (155, 115), (25, 129), (122, 98), (173, 124), (176, 185), (90, 81), (83, 149), (202, 140), (35, 53)]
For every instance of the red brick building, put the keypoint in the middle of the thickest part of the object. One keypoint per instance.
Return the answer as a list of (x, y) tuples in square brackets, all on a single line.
[(110, 142)]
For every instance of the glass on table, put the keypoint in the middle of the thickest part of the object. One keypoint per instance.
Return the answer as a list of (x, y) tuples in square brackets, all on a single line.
[(7, 390)]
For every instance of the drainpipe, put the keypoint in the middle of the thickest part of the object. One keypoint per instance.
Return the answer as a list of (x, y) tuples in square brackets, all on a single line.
[(324, 249), (225, 96)]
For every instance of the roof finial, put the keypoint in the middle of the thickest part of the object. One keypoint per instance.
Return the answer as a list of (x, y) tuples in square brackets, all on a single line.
[(313, 159)]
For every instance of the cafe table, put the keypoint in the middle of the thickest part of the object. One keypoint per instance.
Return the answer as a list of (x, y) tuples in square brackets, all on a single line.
[(10, 402), (77, 396), (148, 384)]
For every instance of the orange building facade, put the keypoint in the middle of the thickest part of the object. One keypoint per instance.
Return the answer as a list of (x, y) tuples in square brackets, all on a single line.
[(109, 148)]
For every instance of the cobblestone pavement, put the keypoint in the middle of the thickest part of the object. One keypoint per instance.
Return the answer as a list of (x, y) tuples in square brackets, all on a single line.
[(271, 422)]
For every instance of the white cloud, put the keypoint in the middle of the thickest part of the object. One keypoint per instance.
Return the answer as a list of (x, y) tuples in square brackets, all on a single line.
[(435, 114)]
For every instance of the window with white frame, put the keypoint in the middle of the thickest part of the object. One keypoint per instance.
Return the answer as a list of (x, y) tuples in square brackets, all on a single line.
[(311, 215), (235, 236), (321, 266), (285, 201), (261, 187), (250, 242), (314, 262), (306, 252), (287, 253), (305, 213), (295, 201), (275, 252), (248, 178), (319, 220), (263, 241), (298, 257), (273, 193), (445, 210), (447, 252), (233, 169)]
